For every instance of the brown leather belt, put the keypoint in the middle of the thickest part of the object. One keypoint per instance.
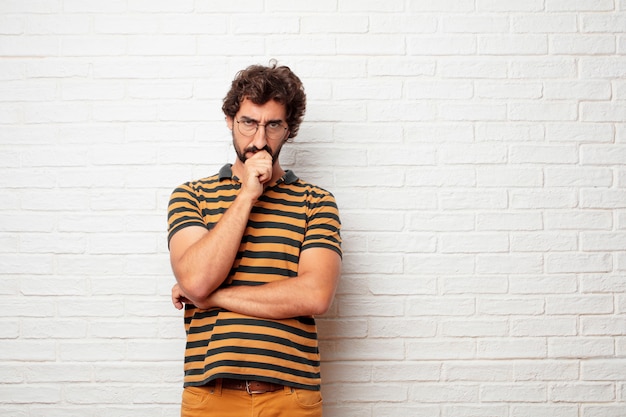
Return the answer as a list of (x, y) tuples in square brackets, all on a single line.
[(251, 387)]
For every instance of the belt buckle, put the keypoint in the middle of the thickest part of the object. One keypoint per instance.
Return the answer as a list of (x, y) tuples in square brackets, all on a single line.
[(250, 392)]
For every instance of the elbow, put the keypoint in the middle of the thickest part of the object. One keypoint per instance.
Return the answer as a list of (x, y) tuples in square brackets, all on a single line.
[(196, 287), (321, 305)]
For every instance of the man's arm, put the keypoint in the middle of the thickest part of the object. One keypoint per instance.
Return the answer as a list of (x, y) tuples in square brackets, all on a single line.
[(202, 259), (310, 293)]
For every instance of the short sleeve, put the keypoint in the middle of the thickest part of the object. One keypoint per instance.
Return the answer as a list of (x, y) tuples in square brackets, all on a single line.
[(183, 210), (323, 225)]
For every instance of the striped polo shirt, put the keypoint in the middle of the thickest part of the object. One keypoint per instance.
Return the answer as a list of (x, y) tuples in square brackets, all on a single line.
[(288, 218)]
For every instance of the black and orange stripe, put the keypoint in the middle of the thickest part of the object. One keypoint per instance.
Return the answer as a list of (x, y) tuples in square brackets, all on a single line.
[(288, 218)]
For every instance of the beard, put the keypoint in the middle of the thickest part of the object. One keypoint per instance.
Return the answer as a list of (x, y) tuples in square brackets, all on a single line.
[(241, 154)]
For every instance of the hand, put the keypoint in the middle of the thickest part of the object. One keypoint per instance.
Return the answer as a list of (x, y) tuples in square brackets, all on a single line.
[(178, 297), (258, 171)]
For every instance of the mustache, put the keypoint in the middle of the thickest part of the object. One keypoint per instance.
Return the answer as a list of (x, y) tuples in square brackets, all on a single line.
[(254, 149)]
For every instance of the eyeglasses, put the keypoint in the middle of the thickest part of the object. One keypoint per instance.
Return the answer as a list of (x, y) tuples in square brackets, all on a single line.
[(273, 130)]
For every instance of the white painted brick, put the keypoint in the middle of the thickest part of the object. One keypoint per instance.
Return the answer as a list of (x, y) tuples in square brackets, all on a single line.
[(588, 304), (603, 326), (371, 6), (333, 23), (475, 24), (375, 45), (474, 68), (288, 6), (30, 394), (401, 242), (403, 23), (402, 155), (385, 328), (502, 306), (603, 370), (24, 46), (538, 68), (603, 112), (582, 45), (551, 370), (603, 241), (473, 243), (579, 347), (552, 284), (544, 23), (581, 220), (608, 198), (474, 328), (383, 392), (510, 263), (578, 177), (481, 371), (469, 285), (580, 132), (377, 307), (413, 199), (593, 90), (544, 111), (603, 154), (536, 327), (603, 411), (428, 306), (427, 45), (404, 66), (532, 410), (508, 177), (505, 90), (439, 264), (518, 45), (508, 221), (582, 392), (440, 177), (602, 67), (546, 198), (473, 154), (475, 411), (518, 348), (578, 262), (543, 242), (441, 222), (472, 200), (579, 5), (448, 6), (420, 90), (440, 349), (602, 23), (362, 350), (513, 393), (458, 393)]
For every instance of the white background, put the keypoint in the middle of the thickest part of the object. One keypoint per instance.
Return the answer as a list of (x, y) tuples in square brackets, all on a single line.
[(476, 149)]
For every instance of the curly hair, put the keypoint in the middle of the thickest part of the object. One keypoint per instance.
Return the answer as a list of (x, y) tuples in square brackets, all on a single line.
[(261, 84)]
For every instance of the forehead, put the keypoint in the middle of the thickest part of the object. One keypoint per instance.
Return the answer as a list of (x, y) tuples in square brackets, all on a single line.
[(272, 110)]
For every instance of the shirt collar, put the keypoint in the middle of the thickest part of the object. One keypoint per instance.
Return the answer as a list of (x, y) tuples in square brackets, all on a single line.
[(226, 172)]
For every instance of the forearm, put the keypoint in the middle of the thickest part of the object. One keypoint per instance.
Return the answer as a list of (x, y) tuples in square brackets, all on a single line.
[(205, 264)]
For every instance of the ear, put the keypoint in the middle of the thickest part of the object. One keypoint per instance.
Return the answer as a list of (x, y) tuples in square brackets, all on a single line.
[(229, 122)]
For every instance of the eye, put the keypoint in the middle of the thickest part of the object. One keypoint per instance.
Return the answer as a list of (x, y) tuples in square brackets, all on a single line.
[(248, 123), (274, 125)]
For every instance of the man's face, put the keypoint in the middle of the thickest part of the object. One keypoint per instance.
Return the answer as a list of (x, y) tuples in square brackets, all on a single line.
[(270, 133)]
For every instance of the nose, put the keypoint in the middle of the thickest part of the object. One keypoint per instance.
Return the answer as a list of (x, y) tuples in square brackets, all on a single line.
[(259, 138)]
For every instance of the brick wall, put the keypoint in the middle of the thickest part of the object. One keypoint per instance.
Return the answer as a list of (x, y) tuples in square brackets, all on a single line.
[(476, 149)]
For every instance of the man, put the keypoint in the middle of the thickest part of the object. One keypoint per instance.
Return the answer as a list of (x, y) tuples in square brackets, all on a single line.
[(256, 252)]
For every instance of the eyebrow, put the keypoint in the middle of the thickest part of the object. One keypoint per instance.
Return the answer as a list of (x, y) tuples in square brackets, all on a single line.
[(250, 119)]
